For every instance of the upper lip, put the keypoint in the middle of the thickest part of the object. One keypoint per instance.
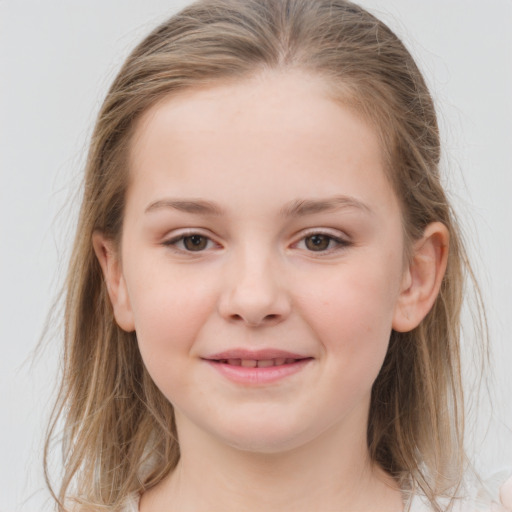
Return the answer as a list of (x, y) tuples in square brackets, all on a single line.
[(256, 355)]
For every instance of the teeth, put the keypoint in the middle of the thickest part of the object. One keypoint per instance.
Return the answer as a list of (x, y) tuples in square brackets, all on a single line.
[(258, 363)]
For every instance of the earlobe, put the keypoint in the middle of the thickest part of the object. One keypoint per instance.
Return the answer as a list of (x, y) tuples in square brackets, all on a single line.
[(422, 278), (110, 263)]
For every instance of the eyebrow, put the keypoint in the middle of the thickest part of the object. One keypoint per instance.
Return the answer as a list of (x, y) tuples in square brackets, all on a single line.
[(301, 207), (197, 206), (296, 208)]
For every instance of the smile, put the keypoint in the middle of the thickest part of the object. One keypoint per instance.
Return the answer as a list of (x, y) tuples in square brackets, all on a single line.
[(258, 363), (257, 367)]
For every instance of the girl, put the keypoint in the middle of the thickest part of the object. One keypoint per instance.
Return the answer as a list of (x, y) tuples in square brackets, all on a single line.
[(263, 301)]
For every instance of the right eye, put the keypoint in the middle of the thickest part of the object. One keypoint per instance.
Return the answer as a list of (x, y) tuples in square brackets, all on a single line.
[(194, 242)]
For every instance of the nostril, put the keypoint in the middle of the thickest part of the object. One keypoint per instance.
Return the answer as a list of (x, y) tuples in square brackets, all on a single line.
[(255, 323)]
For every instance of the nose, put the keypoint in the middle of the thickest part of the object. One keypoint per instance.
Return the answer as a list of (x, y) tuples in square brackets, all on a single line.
[(254, 293)]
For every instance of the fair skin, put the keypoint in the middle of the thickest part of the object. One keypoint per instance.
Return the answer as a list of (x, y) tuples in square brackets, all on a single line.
[(265, 319)]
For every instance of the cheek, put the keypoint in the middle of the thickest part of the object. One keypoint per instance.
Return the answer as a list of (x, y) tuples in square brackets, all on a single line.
[(351, 318), (169, 310), (351, 312)]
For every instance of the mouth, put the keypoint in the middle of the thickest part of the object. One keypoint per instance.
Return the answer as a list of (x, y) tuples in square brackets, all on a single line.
[(259, 363), (257, 367), (263, 358)]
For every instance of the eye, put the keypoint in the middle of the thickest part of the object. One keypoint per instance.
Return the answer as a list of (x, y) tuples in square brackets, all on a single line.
[(322, 242), (193, 242), (318, 242)]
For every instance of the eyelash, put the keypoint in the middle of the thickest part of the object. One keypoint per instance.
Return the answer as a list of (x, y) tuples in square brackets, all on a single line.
[(173, 242), (341, 243)]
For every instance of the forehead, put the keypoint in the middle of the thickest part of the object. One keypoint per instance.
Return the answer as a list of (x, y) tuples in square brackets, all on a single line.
[(272, 132), (231, 95), (288, 104)]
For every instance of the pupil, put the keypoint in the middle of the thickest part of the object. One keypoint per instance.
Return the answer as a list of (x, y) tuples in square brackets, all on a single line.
[(194, 242), (317, 242)]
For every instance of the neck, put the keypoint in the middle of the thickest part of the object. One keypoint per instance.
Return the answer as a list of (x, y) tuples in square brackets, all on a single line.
[(332, 472)]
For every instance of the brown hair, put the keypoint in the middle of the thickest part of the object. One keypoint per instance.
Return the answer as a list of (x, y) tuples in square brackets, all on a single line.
[(119, 434)]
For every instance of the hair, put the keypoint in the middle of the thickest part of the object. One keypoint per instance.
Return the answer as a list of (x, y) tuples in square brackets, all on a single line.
[(119, 430)]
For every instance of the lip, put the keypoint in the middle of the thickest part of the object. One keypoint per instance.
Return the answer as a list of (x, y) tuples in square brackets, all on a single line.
[(290, 363), (258, 355)]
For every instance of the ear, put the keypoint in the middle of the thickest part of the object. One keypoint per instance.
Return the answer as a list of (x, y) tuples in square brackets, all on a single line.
[(422, 278), (109, 259)]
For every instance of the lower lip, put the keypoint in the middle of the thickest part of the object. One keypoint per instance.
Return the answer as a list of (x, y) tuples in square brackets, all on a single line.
[(255, 376)]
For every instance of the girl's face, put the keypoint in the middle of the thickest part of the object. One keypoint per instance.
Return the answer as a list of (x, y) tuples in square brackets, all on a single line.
[(262, 261)]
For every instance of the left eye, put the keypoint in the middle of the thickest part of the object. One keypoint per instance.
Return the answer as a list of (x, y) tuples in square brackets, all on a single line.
[(321, 242), (190, 243)]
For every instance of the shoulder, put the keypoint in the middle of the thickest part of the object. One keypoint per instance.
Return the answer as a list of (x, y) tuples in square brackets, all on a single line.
[(493, 494)]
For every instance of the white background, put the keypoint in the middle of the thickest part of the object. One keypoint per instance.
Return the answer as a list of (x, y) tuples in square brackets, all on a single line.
[(57, 58)]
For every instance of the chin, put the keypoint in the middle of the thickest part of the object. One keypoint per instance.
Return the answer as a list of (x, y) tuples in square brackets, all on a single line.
[(264, 446), (265, 437)]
